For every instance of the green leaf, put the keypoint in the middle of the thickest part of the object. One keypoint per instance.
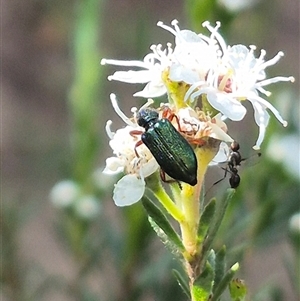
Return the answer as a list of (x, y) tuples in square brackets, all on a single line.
[(238, 290), (202, 287), (205, 219), (161, 221), (182, 283), (220, 288), (217, 220), (211, 258), (220, 266)]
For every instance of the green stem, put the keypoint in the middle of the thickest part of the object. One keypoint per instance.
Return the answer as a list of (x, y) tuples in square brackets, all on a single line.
[(84, 93), (190, 198), (155, 186)]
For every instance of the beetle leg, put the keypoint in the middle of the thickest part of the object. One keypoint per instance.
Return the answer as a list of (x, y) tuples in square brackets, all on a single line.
[(163, 178), (197, 141), (140, 142), (135, 133), (167, 113)]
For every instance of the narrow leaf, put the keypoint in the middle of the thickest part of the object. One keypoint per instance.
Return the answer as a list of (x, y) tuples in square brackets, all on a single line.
[(182, 283), (211, 258), (220, 266), (225, 282), (205, 219), (162, 222), (218, 217), (202, 287)]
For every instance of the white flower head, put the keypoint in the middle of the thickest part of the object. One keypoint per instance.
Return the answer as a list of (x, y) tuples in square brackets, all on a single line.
[(131, 187), (193, 56), (87, 207), (294, 223), (239, 76), (64, 193), (195, 126)]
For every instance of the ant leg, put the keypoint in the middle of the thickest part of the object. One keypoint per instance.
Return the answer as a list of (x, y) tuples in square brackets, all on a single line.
[(225, 174)]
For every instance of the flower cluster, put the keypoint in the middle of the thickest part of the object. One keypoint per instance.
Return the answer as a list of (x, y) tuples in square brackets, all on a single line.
[(68, 195), (207, 68), (136, 161)]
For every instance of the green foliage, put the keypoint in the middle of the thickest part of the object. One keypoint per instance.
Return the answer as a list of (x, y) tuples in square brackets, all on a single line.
[(217, 219), (182, 282), (160, 223), (202, 287), (205, 219)]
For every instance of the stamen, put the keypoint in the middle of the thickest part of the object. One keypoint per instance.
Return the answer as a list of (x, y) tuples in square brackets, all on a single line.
[(126, 63), (272, 61), (168, 28), (149, 102), (109, 132), (114, 103), (276, 79), (215, 35), (263, 91), (175, 24)]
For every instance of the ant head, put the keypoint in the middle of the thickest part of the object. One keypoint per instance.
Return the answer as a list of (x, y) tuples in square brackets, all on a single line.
[(235, 146)]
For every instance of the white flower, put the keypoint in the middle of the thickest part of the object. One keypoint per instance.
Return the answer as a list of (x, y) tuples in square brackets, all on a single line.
[(153, 64), (131, 187), (214, 128), (64, 193), (285, 150), (237, 5), (294, 223), (240, 76), (226, 75), (87, 207), (190, 122), (193, 56)]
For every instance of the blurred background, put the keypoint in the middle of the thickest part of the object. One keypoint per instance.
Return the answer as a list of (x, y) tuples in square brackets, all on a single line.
[(55, 103)]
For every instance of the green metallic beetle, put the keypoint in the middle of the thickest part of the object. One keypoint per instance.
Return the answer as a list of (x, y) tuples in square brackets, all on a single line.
[(171, 150)]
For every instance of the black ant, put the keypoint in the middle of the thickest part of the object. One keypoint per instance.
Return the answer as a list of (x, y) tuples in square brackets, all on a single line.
[(233, 163)]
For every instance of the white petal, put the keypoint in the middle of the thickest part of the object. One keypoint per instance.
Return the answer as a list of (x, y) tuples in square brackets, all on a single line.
[(128, 190), (222, 154), (149, 168), (228, 106), (265, 104), (113, 166), (261, 117), (219, 134), (152, 90), (180, 73), (187, 36)]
